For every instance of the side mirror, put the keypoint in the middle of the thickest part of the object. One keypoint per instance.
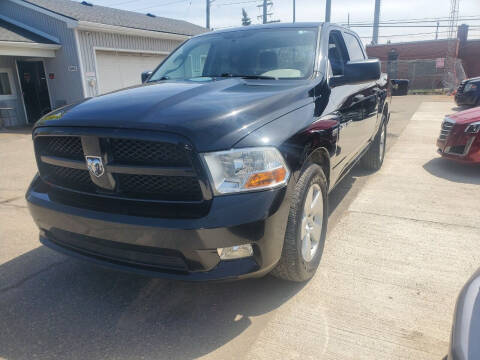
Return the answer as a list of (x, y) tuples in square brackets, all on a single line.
[(146, 75), (356, 72)]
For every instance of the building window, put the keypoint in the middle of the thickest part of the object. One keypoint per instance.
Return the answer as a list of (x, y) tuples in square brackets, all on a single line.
[(7, 90)]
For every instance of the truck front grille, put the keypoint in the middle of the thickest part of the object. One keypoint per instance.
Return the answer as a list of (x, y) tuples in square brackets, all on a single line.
[(133, 168), (147, 152), (62, 146), (67, 177)]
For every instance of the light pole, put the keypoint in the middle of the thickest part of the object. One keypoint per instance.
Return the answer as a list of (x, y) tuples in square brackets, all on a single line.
[(208, 13), (328, 10), (264, 11), (293, 10), (376, 22)]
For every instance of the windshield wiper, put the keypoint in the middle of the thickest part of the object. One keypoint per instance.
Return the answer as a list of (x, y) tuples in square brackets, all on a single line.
[(261, 77)]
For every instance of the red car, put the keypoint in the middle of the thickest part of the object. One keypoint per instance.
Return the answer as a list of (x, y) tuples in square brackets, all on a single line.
[(460, 136)]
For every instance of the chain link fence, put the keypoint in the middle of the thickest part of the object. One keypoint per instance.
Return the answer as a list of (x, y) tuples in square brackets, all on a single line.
[(427, 75)]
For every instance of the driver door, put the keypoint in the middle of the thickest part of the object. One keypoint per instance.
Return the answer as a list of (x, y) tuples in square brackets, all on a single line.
[(343, 102)]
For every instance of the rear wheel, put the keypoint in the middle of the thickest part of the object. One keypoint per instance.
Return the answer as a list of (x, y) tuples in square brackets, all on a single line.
[(306, 227), (373, 159)]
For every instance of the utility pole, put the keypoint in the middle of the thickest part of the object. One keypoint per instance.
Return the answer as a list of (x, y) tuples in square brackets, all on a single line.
[(328, 10), (208, 14), (450, 78), (376, 22), (436, 32), (293, 10), (264, 11), (348, 20)]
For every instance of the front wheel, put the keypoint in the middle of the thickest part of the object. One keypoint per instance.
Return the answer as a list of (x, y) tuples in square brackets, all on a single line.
[(306, 227), (373, 159)]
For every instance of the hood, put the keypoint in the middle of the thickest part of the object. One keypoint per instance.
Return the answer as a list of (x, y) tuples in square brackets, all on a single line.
[(466, 117), (214, 115)]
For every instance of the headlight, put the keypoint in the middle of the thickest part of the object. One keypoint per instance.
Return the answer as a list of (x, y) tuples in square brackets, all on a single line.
[(473, 128), (246, 169)]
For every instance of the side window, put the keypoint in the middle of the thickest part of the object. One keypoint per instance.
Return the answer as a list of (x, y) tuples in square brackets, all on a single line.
[(354, 48), (470, 86), (337, 56)]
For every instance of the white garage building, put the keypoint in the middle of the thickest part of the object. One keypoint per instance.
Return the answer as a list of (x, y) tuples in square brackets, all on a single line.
[(56, 52)]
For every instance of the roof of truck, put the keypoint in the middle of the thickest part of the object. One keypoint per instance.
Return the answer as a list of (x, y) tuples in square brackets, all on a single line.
[(268, 26)]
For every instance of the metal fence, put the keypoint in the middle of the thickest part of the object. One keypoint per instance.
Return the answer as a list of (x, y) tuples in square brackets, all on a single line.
[(427, 74)]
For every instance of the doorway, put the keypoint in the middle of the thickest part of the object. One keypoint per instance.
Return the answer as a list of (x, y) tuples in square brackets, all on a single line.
[(34, 89)]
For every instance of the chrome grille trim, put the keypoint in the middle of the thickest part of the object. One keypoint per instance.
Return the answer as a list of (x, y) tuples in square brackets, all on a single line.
[(446, 128)]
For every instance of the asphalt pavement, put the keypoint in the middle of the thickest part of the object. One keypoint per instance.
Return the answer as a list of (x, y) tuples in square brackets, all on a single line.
[(401, 243)]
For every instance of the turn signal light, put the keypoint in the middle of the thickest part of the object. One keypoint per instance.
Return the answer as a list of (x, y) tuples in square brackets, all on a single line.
[(266, 178)]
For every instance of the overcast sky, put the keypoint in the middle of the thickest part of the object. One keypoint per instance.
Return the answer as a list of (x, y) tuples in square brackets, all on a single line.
[(228, 13)]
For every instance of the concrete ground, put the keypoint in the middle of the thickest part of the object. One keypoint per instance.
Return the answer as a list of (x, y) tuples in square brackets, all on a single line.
[(401, 244)]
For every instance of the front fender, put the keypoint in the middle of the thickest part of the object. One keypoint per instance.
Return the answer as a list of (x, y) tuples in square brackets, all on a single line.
[(298, 135)]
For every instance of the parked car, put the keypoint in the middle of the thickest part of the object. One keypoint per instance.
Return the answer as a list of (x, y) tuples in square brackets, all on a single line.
[(468, 92), (464, 344), (218, 166), (459, 136)]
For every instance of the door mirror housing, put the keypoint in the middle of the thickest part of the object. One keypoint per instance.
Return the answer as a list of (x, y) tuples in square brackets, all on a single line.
[(146, 75), (356, 72)]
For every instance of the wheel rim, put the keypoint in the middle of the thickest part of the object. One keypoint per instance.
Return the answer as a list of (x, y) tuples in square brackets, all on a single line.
[(312, 222), (382, 142)]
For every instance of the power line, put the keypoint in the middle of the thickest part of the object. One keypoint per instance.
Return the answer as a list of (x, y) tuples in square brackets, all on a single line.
[(401, 26), (408, 22), (415, 34), (395, 21)]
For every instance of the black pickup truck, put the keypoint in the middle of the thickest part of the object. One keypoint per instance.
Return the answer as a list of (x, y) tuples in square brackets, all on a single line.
[(220, 164)]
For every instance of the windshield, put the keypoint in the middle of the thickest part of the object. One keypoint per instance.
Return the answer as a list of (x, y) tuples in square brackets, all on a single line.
[(260, 53)]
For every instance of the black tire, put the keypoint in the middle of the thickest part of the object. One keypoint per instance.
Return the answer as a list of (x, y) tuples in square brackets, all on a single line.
[(373, 159), (292, 265)]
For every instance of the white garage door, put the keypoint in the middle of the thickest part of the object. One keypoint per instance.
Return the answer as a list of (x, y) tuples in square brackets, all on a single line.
[(117, 70)]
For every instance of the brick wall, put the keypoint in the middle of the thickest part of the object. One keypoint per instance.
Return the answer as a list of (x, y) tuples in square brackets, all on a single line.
[(411, 51), (468, 52)]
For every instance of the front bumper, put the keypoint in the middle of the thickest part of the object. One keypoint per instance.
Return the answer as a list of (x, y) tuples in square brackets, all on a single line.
[(184, 249), (460, 146)]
